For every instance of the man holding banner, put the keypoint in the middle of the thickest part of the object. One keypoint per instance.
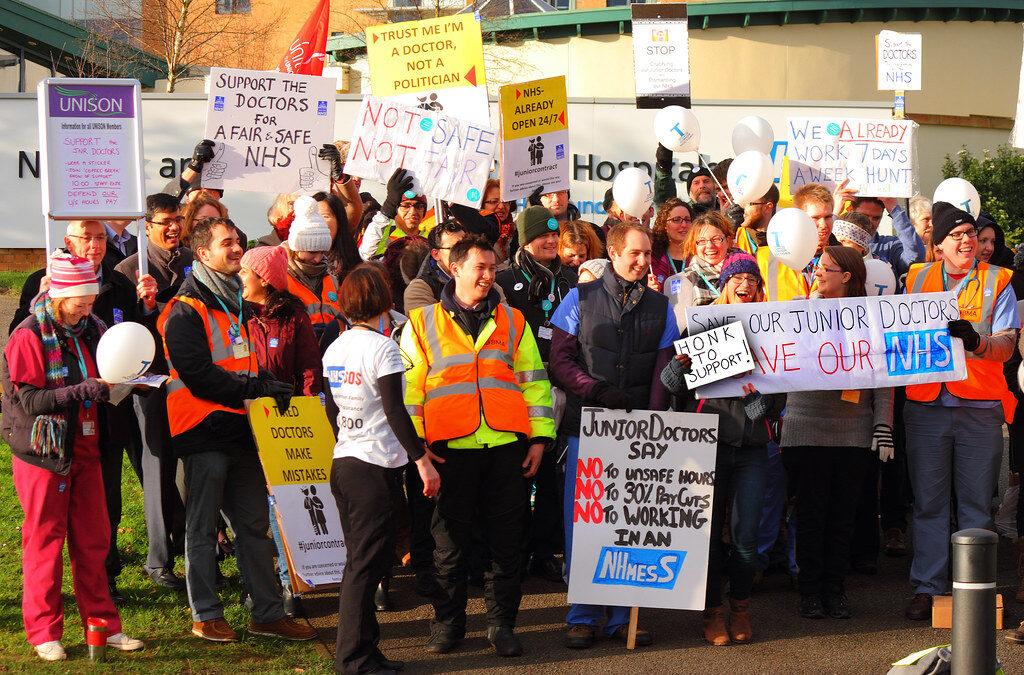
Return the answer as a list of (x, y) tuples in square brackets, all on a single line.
[(954, 429)]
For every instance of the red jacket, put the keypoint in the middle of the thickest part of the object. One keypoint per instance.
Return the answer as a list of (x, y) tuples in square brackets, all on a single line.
[(285, 344)]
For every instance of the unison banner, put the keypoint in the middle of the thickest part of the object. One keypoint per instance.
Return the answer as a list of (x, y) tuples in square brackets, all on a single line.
[(846, 343)]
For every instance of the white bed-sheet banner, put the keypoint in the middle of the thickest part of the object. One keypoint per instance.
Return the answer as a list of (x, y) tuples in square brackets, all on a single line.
[(845, 343)]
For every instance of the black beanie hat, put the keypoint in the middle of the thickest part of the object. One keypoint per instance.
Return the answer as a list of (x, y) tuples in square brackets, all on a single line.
[(945, 217), (699, 171), (533, 222)]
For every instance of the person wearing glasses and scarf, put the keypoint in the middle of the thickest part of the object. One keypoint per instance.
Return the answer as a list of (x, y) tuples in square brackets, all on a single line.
[(708, 243), (402, 214), (671, 227)]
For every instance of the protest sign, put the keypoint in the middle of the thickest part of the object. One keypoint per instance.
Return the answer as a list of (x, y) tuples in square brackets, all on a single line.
[(268, 129), (899, 61), (296, 449), (877, 156), (534, 137), (716, 354), (845, 343), (661, 55), (1017, 134), (645, 484), (449, 157), (90, 140)]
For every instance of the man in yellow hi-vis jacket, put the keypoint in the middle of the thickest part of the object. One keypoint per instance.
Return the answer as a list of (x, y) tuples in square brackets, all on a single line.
[(478, 394)]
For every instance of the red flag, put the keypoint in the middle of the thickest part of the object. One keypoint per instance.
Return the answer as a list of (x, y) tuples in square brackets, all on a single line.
[(307, 53)]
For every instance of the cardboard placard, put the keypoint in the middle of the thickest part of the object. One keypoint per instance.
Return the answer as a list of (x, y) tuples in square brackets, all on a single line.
[(877, 156), (296, 450), (268, 128), (449, 158), (661, 55), (645, 485), (534, 137), (899, 59), (716, 354), (90, 140), (840, 344)]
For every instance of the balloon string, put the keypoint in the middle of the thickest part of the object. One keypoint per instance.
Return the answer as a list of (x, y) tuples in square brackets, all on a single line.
[(728, 198)]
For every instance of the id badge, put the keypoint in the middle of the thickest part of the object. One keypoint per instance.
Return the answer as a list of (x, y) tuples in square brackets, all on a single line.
[(240, 348), (545, 332), (89, 428)]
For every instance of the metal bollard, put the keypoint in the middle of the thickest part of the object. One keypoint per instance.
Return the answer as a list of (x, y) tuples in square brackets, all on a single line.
[(974, 602)]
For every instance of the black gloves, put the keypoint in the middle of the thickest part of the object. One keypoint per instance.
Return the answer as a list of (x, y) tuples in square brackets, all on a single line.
[(90, 390), (612, 397), (399, 183), (963, 329), (534, 198), (735, 214), (279, 391), (755, 405), (882, 443), (330, 153), (673, 376), (663, 159), (202, 154)]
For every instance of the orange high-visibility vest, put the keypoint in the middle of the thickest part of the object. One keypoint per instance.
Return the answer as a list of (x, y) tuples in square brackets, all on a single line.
[(324, 309), (781, 283), (745, 240), (462, 383), (977, 300), (184, 410)]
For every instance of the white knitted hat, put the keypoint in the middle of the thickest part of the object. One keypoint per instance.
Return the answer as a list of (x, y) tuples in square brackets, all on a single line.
[(309, 230)]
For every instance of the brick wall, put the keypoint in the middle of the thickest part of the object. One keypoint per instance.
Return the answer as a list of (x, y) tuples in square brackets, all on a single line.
[(21, 259)]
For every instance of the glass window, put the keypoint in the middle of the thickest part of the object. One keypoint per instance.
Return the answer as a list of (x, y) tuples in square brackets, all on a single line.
[(234, 6)]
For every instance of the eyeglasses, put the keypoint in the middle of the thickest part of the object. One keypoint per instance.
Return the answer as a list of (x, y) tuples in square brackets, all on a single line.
[(958, 236), (98, 239), (741, 279), (713, 241), (821, 266), (419, 206), (179, 221), (680, 219), (758, 203)]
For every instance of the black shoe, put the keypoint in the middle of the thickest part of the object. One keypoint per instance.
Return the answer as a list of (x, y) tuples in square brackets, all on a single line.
[(504, 641), (836, 605), (115, 595), (381, 599), (387, 663), (167, 578), (442, 642), (548, 569), (811, 607), (380, 670)]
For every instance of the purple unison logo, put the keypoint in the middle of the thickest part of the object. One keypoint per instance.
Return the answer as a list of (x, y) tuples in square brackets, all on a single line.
[(91, 100)]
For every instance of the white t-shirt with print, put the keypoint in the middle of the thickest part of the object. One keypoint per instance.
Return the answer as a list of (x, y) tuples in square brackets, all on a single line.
[(352, 365)]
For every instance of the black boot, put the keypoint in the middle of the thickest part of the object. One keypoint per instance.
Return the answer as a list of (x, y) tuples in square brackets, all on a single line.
[(381, 598)]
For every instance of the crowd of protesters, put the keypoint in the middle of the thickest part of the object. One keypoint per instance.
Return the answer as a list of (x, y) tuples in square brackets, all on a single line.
[(479, 336)]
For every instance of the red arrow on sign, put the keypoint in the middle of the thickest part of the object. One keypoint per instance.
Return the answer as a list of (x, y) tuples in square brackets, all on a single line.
[(471, 76), (561, 118), (375, 38), (517, 94), (266, 411)]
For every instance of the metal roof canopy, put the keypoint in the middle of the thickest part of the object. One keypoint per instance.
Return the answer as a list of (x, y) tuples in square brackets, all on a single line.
[(52, 42), (729, 14)]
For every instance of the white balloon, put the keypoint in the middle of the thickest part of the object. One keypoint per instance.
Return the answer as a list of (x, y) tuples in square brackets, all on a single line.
[(677, 129), (633, 191), (753, 133), (125, 352), (880, 278), (792, 238), (960, 194), (750, 176), (1020, 376)]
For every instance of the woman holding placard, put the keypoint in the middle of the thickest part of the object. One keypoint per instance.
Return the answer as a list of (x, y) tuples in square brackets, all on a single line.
[(826, 442), (741, 466)]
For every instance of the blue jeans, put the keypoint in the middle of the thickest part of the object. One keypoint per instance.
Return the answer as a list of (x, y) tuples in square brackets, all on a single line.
[(282, 559), (774, 510), (590, 615), (740, 476)]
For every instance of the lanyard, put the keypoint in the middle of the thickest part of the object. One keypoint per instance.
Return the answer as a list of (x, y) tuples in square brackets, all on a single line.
[(965, 283), (547, 303), (713, 287), (81, 359), (809, 270), (750, 241), (236, 325), (672, 264)]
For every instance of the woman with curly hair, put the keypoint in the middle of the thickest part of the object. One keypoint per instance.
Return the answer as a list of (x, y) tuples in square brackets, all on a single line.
[(668, 245)]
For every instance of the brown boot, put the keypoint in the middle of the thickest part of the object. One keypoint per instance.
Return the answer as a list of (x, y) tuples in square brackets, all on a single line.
[(714, 626), (739, 621)]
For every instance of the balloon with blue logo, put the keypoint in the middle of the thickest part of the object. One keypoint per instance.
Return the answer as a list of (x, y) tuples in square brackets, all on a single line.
[(753, 133), (677, 129), (792, 238), (633, 191), (750, 176), (880, 278), (125, 352), (960, 194)]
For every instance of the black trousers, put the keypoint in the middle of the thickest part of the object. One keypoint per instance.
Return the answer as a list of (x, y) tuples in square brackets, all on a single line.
[(546, 536), (421, 514), (364, 493), (487, 482), (828, 484), (124, 437)]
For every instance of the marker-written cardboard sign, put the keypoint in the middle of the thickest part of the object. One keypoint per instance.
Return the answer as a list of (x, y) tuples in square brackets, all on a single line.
[(296, 449), (1017, 134), (661, 55), (645, 485), (716, 354), (899, 61), (90, 139), (845, 343), (534, 137), (449, 157), (268, 129), (878, 156)]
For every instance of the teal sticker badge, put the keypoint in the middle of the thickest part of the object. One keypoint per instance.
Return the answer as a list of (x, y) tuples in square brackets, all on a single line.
[(426, 123), (409, 194), (332, 296), (473, 194), (552, 224), (833, 129)]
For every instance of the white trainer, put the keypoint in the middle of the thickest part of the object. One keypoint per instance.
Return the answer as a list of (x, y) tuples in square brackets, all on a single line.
[(123, 643), (51, 651)]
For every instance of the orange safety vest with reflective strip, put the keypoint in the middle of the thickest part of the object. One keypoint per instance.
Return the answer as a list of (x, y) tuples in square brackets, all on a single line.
[(184, 410), (985, 381), (462, 383), (319, 310), (781, 283), (745, 240)]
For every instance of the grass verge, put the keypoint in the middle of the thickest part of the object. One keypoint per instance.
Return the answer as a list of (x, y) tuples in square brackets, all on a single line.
[(11, 282)]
